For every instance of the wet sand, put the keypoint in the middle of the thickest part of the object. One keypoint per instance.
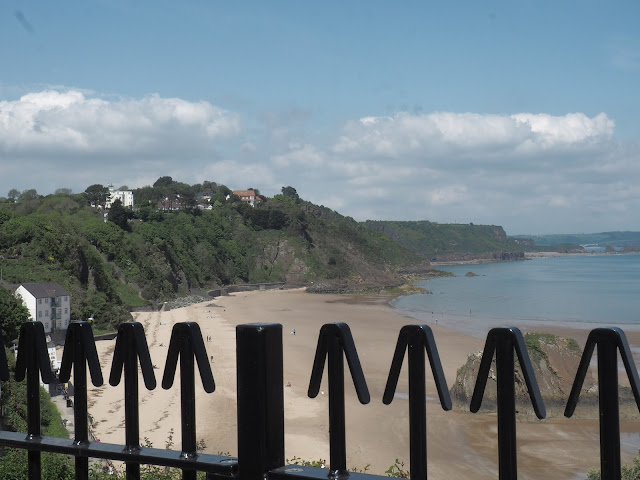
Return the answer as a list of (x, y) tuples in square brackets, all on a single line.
[(460, 444)]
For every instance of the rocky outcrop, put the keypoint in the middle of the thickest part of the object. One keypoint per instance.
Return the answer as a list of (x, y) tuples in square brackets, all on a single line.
[(425, 268), (555, 361)]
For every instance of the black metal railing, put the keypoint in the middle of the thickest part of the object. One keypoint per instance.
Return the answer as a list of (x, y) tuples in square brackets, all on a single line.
[(260, 397)]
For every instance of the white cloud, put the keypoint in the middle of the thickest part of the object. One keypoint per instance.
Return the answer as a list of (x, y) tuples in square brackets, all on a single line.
[(70, 122), (559, 201), (239, 175), (575, 129), (302, 155), (519, 170), (447, 195), (468, 137)]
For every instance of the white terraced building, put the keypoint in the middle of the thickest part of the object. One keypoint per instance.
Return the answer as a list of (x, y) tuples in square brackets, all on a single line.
[(48, 303)]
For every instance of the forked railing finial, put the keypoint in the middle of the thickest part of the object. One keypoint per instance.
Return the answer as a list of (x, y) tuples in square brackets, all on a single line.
[(609, 340), (417, 339), (334, 340), (503, 341)]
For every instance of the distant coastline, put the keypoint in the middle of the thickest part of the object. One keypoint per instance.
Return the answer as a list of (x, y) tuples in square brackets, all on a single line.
[(529, 256)]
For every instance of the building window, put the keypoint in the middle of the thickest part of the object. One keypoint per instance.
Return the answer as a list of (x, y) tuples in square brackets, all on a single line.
[(40, 301), (66, 310), (40, 313), (46, 313), (46, 300), (46, 326)]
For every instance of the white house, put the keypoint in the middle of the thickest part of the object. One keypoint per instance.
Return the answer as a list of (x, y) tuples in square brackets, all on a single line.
[(125, 196), (48, 303)]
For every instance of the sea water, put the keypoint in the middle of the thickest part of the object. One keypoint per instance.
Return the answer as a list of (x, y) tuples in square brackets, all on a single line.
[(579, 291)]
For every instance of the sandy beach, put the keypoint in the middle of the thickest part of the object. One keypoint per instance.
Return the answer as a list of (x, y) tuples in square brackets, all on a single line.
[(460, 444)]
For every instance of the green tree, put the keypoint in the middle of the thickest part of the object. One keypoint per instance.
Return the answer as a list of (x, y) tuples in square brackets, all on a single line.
[(277, 219), (149, 213), (224, 190), (165, 181), (190, 203), (97, 194), (27, 195), (13, 463), (210, 187), (63, 191), (13, 195), (118, 214), (281, 199), (291, 193), (12, 315), (629, 472)]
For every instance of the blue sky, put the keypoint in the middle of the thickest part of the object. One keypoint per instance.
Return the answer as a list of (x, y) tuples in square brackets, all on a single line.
[(517, 113)]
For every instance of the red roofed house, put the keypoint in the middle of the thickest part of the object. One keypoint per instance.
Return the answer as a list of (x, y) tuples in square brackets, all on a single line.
[(249, 196)]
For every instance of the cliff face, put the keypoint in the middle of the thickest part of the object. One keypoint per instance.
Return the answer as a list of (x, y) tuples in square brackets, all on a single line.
[(555, 361)]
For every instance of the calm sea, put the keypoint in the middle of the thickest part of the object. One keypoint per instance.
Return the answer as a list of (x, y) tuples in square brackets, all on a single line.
[(592, 290)]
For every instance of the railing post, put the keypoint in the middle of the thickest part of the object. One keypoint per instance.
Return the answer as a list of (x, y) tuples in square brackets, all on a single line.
[(186, 342), (417, 413), (80, 349), (260, 399), (336, 342), (610, 465), (417, 339), (337, 435), (506, 407), (608, 340), (502, 341), (33, 416), (33, 361), (131, 409), (131, 345)]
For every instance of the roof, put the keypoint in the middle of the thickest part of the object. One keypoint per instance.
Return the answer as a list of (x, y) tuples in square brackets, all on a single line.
[(245, 193), (45, 290)]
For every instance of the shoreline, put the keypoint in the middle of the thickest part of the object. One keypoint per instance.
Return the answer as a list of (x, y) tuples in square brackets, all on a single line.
[(459, 443)]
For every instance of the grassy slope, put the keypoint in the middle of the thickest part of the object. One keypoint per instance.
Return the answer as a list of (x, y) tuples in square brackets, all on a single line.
[(433, 240)]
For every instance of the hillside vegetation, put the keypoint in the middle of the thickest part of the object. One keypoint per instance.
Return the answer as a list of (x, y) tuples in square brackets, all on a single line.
[(446, 242), (13, 463), (110, 266)]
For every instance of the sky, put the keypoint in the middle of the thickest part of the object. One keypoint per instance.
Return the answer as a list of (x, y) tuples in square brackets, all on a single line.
[(516, 113)]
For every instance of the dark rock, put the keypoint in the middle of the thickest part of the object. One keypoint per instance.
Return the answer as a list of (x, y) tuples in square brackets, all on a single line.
[(555, 362)]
